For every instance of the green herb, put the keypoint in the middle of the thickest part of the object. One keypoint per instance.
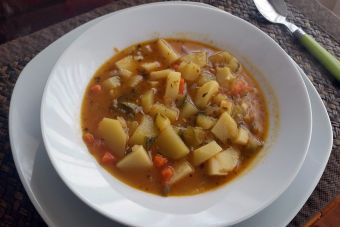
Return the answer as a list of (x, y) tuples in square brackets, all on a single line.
[(149, 141)]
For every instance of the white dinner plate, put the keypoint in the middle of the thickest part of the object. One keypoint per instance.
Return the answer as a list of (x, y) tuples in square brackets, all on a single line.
[(60, 207)]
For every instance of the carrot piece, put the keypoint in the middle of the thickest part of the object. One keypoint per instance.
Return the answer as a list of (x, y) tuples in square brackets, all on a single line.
[(167, 173), (96, 88), (88, 138), (108, 158), (181, 86), (159, 161), (239, 87)]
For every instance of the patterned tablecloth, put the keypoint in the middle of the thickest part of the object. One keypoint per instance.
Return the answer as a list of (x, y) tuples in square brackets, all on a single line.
[(15, 206)]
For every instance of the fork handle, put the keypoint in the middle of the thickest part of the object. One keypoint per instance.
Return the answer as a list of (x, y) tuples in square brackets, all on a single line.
[(325, 58)]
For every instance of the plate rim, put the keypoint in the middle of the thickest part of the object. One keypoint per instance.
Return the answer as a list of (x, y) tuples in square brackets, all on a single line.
[(26, 185), (236, 218)]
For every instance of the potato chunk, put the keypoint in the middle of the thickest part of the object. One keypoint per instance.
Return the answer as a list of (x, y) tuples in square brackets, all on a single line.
[(147, 100), (199, 58), (223, 162), (189, 70), (171, 113), (205, 122), (172, 86), (114, 135), (205, 152), (111, 83), (166, 51), (242, 136), (182, 169), (194, 136), (127, 63), (225, 128), (138, 159), (220, 58), (134, 81), (205, 93), (234, 65), (162, 121), (188, 109), (158, 75), (150, 66), (219, 98), (144, 130), (253, 142), (224, 76), (170, 144)]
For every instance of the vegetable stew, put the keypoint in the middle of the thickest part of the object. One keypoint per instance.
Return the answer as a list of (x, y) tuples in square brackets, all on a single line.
[(174, 117)]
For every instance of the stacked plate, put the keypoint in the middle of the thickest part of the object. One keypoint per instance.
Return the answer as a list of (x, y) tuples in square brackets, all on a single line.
[(60, 206)]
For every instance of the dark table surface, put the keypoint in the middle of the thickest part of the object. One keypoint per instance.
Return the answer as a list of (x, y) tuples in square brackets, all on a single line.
[(15, 206)]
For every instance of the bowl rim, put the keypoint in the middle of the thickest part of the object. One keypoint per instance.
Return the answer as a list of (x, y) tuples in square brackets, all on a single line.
[(162, 4)]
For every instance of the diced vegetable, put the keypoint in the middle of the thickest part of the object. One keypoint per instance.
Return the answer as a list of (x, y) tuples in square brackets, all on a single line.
[(219, 98), (159, 161), (220, 58), (88, 138), (124, 73), (239, 87), (205, 93), (167, 173), (182, 169), (253, 142), (199, 58), (206, 122), (223, 162), (171, 145), (108, 159), (171, 113), (242, 136), (161, 121), (158, 75), (114, 135), (225, 128), (138, 159), (194, 136), (127, 63), (226, 106), (95, 89), (150, 66), (145, 129), (181, 87), (224, 76), (234, 65), (147, 100), (189, 70), (111, 83), (205, 152), (172, 86), (188, 109), (135, 80), (166, 51)]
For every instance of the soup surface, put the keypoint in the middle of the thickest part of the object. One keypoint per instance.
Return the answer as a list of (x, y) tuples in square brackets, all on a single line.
[(174, 117)]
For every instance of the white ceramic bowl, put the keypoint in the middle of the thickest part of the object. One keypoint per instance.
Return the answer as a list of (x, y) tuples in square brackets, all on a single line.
[(288, 137)]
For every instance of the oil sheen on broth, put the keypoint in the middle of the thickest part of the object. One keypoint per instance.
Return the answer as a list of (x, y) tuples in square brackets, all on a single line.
[(174, 117)]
